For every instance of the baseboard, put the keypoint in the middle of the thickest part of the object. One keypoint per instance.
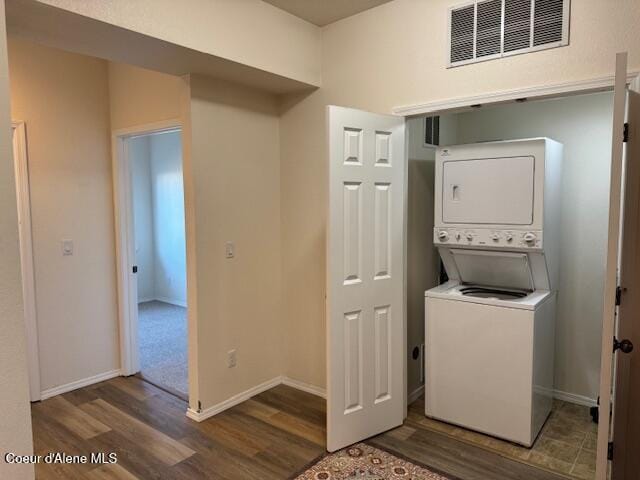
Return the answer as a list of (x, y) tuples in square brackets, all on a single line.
[(145, 300), (171, 301), (573, 398), (305, 387), (247, 394), (232, 401), (415, 395), (321, 392), (52, 392)]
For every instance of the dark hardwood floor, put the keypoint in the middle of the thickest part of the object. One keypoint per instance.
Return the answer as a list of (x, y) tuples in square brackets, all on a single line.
[(272, 436)]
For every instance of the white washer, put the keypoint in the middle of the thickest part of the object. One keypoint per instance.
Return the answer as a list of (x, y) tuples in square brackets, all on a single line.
[(489, 360), (490, 330)]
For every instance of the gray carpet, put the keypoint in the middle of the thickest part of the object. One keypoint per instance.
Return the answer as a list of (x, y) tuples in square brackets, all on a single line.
[(162, 336)]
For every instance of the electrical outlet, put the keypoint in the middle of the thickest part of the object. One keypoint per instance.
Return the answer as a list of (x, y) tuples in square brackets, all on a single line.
[(229, 250), (232, 359)]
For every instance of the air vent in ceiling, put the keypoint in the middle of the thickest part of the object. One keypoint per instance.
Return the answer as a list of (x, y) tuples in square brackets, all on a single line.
[(487, 29)]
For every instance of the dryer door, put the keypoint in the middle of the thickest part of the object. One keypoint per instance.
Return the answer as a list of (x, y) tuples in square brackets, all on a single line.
[(496, 191)]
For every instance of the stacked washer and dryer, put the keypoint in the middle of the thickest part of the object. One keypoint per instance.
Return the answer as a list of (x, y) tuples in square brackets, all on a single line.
[(489, 330)]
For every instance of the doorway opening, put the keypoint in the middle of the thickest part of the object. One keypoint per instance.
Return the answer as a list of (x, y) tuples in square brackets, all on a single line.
[(153, 231)]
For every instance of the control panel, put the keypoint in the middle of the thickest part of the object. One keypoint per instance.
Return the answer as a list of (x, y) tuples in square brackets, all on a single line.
[(487, 237)]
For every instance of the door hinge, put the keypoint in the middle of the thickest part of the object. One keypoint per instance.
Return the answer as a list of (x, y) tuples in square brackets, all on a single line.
[(610, 451), (135, 269), (618, 295), (625, 133)]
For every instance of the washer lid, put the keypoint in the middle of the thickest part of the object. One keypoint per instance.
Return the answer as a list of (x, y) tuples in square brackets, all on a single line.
[(496, 269)]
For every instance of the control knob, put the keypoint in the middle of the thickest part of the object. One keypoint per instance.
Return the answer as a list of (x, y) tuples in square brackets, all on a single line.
[(469, 236), (509, 237), (529, 237), (495, 237), (443, 235)]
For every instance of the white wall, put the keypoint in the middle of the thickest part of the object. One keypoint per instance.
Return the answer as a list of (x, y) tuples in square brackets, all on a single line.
[(583, 125), (422, 258), (158, 203), (64, 100), (139, 162), (168, 218), (248, 32)]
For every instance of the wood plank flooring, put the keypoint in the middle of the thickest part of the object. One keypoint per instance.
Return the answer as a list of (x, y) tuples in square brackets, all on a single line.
[(272, 436)]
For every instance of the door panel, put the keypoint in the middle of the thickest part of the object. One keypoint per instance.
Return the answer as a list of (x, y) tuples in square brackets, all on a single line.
[(469, 191), (365, 275), (626, 421)]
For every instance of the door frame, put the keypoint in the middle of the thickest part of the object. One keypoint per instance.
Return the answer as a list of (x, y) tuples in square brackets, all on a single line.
[(23, 193), (560, 90), (125, 238)]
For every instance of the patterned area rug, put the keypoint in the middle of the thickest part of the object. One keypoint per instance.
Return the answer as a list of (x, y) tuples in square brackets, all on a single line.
[(365, 462)]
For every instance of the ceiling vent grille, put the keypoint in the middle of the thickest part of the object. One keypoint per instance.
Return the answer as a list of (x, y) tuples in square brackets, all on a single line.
[(462, 33), (487, 29)]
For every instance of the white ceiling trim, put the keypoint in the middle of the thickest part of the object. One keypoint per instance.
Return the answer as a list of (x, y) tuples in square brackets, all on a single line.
[(539, 92)]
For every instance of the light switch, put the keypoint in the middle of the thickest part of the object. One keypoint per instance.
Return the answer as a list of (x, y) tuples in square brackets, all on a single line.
[(229, 250), (67, 247)]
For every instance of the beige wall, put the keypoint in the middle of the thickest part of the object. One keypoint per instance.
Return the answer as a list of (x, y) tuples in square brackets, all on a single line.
[(235, 169), (395, 55), (15, 414), (139, 96), (232, 193), (64, 100), (249, 32), (303, 179)]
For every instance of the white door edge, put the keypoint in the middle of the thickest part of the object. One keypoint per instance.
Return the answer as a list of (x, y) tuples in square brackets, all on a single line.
[(26, 256), (611, 271)]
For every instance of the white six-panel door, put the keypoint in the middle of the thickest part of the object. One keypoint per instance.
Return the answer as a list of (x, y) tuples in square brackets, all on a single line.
[(365, 275)]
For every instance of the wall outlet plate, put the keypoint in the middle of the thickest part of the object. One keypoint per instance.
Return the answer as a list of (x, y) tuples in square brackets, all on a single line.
[(67, 247)]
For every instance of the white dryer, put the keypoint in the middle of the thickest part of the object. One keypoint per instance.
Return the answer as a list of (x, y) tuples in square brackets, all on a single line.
[(489, 331)]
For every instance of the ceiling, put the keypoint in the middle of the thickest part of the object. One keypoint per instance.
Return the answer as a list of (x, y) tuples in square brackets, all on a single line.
[(323, 12)]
